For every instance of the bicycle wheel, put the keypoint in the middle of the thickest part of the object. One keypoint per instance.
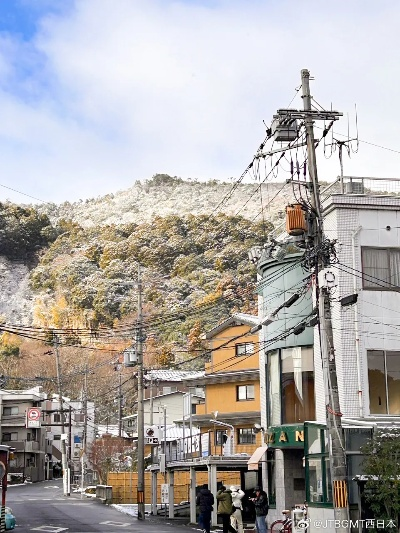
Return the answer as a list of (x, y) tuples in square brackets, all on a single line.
[(278, 526)]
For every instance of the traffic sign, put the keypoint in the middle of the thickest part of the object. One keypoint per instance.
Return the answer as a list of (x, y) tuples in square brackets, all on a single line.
[(33, 415), (151, 440)]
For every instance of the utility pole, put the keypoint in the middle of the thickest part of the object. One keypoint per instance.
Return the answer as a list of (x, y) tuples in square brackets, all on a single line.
[(140, 417), (63, 435), (85, 403), (151, 414), (120, 406), (337, 455)]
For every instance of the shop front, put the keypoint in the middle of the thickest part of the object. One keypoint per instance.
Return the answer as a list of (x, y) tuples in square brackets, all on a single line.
[(285, 467)]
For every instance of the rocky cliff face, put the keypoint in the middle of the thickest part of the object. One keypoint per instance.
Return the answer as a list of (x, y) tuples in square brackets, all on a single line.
[(16, 298)]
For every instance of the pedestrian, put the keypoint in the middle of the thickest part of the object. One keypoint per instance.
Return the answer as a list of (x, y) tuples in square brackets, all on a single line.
[(224, 497), (205, 501), (236, 516), (261, 504)]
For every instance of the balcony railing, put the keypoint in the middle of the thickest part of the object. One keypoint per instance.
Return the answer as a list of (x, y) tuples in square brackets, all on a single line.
[(29, 446), (203, 446)]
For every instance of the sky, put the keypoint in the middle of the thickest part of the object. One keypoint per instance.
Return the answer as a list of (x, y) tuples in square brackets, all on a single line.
[(97, 94)]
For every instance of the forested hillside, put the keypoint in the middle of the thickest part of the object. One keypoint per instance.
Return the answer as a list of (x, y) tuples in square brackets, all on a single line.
[(81, 282)]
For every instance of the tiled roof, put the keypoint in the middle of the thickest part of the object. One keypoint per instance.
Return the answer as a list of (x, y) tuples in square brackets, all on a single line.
[(172, 375)]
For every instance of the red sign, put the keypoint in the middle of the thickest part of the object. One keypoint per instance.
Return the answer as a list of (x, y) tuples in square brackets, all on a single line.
[(33, 417)]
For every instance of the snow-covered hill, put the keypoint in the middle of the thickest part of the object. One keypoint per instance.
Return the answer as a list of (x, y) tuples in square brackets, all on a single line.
[(164, 195)]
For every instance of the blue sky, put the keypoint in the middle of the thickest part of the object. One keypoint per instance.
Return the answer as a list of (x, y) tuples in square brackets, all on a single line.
[(96, 94)]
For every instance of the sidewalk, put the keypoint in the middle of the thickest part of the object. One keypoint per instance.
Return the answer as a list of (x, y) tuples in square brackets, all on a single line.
[(181, 523)]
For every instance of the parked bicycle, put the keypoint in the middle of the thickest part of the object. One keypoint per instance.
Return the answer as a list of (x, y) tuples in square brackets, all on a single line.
[(284, 525)]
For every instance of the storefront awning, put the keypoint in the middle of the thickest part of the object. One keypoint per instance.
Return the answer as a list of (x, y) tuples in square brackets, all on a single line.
[(252, 463)]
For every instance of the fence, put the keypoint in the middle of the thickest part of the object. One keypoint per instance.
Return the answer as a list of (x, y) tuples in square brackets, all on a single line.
[(124, 485)]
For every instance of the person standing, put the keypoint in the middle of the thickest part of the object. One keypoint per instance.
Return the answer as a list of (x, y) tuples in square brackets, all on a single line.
[(205, 501), (261, 504), (224, 498), (237, 507)]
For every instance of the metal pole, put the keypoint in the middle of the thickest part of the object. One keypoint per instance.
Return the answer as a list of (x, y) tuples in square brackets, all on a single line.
[(63, 435), (151, 414), (140, 418), (337, 455)]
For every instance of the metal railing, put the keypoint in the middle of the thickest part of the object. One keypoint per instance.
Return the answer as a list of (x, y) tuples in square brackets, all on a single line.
[(197, 446)]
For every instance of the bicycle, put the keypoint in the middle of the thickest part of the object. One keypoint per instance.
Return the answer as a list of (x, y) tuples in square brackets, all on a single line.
[(282, 525), (285, 525)]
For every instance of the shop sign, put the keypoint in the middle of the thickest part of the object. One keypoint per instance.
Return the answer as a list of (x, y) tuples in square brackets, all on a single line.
[(285, 436)]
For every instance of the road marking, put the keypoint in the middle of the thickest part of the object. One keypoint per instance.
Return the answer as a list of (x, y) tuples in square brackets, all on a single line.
[(116, 524), (50, 529), (53, 487)]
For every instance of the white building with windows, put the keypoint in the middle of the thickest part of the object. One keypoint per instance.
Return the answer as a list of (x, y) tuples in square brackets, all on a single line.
[(363, 216), (366, 334)]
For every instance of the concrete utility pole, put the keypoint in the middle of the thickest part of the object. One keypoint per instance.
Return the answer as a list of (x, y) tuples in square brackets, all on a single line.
[(140, 417), (120, 406), (337, 455), (63, 434)]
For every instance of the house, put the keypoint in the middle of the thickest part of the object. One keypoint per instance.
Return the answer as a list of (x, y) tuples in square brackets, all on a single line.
[(232, 390), (23, 427), (228, 417)]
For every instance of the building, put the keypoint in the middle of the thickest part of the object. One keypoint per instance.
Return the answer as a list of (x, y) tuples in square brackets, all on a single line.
[(286, 377), (228, 417), (23, 427), (80, 430), (362, 216)]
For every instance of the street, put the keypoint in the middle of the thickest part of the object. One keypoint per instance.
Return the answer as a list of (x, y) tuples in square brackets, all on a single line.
[(42, 507)]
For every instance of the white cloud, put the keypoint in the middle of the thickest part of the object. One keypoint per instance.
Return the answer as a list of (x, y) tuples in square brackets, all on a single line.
[(113, 91)]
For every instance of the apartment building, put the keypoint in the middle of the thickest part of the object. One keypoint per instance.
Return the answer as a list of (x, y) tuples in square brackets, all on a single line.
[(23, 427)]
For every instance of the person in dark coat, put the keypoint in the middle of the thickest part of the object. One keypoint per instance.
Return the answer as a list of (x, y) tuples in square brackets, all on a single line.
[(261, 504), (225, 509), (205, 502)]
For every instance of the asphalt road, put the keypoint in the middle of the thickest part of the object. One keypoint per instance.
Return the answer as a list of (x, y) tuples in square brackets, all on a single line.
[(42, 507)]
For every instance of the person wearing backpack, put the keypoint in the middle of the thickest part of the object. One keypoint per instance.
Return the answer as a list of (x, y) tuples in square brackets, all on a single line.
[(261, 504), (224, 497)]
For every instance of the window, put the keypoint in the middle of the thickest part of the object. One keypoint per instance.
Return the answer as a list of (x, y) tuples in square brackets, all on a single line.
[(168, 390), (318, 477), (245, 392), (290, 381), (384, 382), (246, 348), (57, 418), (7, 437), (246, 436), (10, 410), (220, 437), (381, 268)]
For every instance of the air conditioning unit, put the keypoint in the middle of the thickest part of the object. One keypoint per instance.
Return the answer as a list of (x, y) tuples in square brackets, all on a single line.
[(76, 454), (354, 187)]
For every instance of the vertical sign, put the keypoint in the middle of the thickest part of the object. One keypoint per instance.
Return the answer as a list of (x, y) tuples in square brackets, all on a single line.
[(164, 493), (205, 452), (33, 417)]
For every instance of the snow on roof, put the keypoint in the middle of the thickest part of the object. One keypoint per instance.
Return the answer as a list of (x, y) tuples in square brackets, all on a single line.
[(172, 375), (111, 429)]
